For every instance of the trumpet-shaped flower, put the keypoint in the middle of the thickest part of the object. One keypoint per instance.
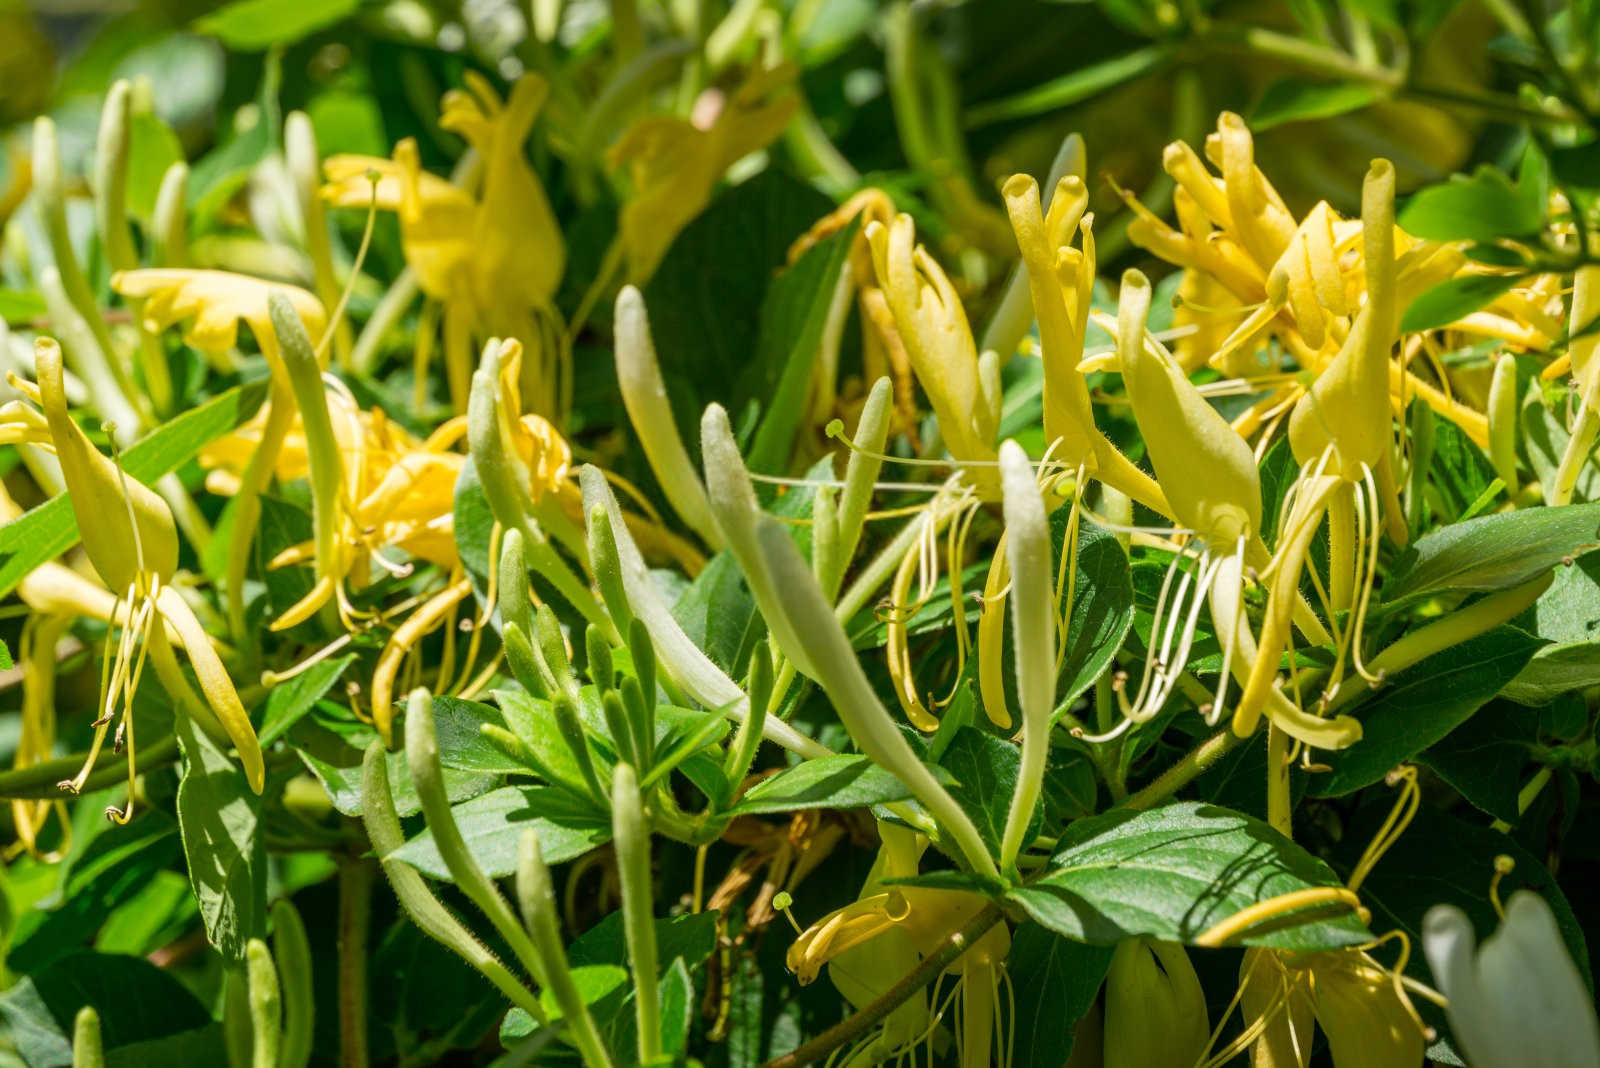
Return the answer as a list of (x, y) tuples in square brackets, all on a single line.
[(129, 537), (1358, 1003), (1155, 1010), (1062, 281), (213, 303), (1516, 1001), (492, 259), (1340, 432), (932, 325), (1255, 275), (674, 164), (872, 943), (1215, 493)]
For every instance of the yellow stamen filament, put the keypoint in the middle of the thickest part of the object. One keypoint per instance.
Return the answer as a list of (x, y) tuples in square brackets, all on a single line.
[(419, 623), (1282, 905)]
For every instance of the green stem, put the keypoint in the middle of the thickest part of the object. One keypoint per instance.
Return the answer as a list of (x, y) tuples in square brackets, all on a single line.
[(1185, 771), (39, 781), (355, 920), (632, 838)]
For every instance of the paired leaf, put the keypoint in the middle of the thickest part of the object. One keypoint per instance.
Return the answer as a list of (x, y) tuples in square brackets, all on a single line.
[(1175, 873)]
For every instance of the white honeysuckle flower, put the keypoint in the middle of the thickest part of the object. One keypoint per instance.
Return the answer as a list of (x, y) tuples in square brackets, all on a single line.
[(1518, 1000)]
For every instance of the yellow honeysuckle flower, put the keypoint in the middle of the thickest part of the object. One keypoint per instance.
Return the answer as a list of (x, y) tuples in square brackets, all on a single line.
[(129, 536), (1363, 1007), (399, 494), (932, 325), (518, 250), (873, 942), (1255, 274), (436, 216), (37, 656), (213, 303), (1215, 493), (674, 164), (882, 351), (493, 258), (1358, 1003), (1340, 431), (1155, 1010)]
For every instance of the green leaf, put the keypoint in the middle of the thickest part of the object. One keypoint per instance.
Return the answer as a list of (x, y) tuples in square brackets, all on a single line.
[(1568, 614), (1492, 552), (844, 781), (544, 738), (1176, 872), (1422, 705), (430, 991), (718, 614), (1453, 299), (1460, 470), (1102, 607), (1443, 860), (1299, 99), (137, 1003), (18, 306), (705, 297), (288, 701), (332, 751), (346, 120), (1555, 670), (222, 172), (461, 741), (1483, 758), (110, 871), (152, 148), (49, 530), (253, 25), (600, 954), (1056, 980), (1073, 88), (985, 769), (792, 318), (677, 1008), (1485, 207), (491, 825), (219, 817), (692, 937), (6, 663), (472, 525)]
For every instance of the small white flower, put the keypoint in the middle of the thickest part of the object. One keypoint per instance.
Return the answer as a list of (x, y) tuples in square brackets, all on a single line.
[(1519, 1000)]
